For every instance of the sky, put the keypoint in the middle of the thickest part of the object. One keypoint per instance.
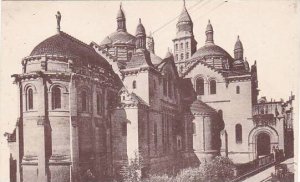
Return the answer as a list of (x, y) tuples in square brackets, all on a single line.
[(268, 29)]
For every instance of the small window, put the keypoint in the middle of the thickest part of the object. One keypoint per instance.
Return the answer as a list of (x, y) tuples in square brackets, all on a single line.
[(56, 97), (84, 102), (213, 85), (134, 84), (187, 45), (237, 89), (194, 128), (187, 55), (176, 47), (29, 99), (181, 56), (238, 133), (124, 129), (176, 57), (200, 86), (181, 45)]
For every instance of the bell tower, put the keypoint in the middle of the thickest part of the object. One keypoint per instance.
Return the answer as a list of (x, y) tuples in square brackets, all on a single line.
[(185, 44)]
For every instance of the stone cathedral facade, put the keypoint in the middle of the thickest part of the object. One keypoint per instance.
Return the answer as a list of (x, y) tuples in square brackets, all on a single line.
[(93, 108)]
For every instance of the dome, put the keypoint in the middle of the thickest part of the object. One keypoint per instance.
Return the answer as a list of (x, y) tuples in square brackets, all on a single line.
[(155, 59), (211, 50), (63, 44), (119, 37)]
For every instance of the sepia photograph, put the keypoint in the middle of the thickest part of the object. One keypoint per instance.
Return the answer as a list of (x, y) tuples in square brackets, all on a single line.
[(149, 91)]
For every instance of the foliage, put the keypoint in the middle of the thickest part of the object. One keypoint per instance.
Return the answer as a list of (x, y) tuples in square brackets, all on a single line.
[(132, 172), (220, 169)]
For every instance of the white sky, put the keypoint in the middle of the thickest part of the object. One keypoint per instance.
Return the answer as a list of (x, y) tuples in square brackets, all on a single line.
[(269, 31)]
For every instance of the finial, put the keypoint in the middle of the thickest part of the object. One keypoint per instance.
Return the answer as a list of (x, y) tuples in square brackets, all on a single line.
[(255, 62), (120, 5), (140, 21), (58, 18), (238, 37), (208, 21), (184, 3)]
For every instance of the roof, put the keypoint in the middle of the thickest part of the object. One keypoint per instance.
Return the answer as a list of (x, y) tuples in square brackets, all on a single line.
[(63, 44), (211, 50), (238, 44), (200, 107), (119, 37), (120, 14), (155, 59), (139, 59), (184, 16), (140, 29)]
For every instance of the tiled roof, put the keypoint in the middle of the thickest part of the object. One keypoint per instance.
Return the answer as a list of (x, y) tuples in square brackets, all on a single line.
[(139, 59), (200, 107), (63, 44)]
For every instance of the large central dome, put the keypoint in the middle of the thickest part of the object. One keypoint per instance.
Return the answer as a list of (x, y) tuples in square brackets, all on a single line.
[(63, 44)]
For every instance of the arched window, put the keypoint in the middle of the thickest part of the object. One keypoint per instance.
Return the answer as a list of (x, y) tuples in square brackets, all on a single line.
[(29, 99), (56, 97), (187, 55), (187, 45), (237, 89), (200, 86), (181, 45), (213, 87), (129, 55), (84, 102), (238, 133), (155, 135), (176, 47), (134, 84), (176, 57), (181, 56)]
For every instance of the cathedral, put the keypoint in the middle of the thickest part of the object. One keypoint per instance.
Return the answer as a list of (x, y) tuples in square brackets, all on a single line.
[(96, 107)]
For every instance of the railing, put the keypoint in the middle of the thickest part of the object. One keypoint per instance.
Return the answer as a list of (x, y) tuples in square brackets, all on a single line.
[(253, 167)]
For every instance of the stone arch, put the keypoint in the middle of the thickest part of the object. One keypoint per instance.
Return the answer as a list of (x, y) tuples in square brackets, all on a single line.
[(254, 133), (62, 86), (29, 85)]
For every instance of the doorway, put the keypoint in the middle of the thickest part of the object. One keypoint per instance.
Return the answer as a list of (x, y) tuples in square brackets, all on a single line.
[(263, 144)]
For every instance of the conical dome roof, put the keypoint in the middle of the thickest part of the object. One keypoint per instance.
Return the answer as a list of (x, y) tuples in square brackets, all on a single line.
[(238, 44), (140, 29), (184, 16), (120, 14)]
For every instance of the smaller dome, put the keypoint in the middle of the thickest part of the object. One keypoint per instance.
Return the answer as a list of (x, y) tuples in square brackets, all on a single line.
[(209, 27), (119, 37), (211, 50), (238, 44), (155, 59), (140, 29)]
